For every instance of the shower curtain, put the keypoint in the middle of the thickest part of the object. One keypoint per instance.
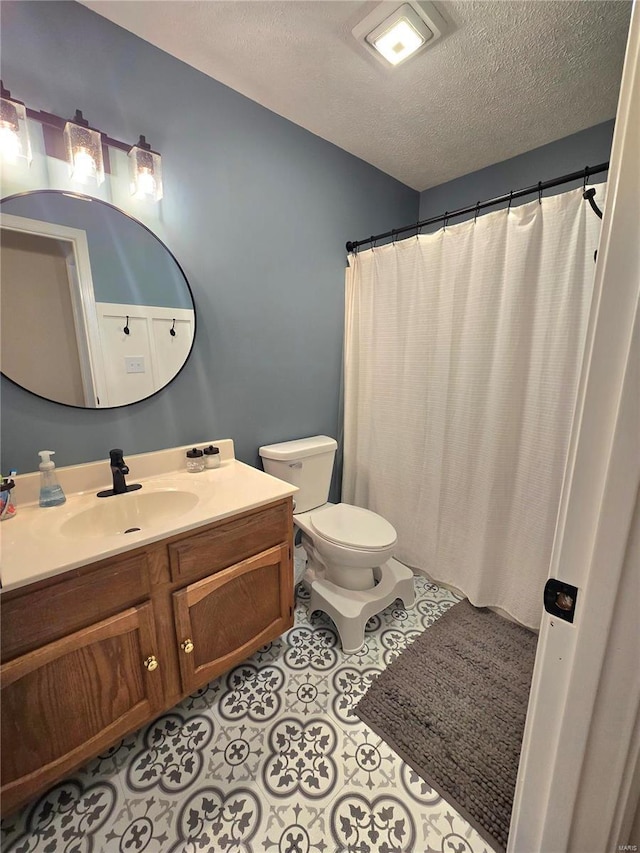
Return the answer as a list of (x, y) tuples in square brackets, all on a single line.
[(462, 357)]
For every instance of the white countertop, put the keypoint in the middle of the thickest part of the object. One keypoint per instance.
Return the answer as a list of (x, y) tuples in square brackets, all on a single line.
[(32, 547)]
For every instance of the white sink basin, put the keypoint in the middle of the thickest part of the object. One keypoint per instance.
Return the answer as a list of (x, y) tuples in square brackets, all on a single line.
[(120, 514)]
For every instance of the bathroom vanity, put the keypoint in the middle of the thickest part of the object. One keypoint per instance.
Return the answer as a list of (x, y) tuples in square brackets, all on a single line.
[(93, 652)]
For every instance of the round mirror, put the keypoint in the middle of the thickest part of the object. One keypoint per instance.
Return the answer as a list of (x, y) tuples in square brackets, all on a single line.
[(96, 311)]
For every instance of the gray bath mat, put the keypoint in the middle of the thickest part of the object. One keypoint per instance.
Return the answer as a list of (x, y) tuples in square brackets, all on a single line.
[(453, 707)]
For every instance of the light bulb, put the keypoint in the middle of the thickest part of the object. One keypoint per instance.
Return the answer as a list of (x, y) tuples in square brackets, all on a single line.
[(10, 147), (146, 184), (84, 166), (145, 171), (84, 151)]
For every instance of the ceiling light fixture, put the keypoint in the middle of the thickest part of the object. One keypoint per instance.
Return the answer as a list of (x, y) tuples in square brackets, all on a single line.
[(400, 36), (392, 39), (14, 136)]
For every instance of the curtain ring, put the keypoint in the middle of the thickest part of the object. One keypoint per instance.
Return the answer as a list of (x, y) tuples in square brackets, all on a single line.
[(539, 192), (417, 229), (172, 330), (446, 220), (373, 241), (394, 235), (510, 199), (586, 178), (477, 211), (126, 329)]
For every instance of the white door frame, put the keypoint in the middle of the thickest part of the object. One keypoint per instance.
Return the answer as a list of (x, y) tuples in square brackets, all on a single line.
[(83, 302), (580, 754)]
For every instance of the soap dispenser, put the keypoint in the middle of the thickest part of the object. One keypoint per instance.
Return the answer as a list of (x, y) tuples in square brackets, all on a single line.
[(51, 493)]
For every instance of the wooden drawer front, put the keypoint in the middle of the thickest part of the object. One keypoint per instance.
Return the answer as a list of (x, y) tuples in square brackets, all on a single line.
[(231, 614), (79, 599), (230, 542), (66, 701)]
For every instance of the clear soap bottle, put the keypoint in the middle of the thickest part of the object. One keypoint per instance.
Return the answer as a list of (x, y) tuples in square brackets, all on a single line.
[(51, 493)]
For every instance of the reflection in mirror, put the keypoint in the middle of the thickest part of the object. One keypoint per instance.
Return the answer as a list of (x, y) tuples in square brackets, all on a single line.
[(96, 312)]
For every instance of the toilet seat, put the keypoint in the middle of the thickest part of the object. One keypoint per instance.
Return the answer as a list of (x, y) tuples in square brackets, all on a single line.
[(354, 527)]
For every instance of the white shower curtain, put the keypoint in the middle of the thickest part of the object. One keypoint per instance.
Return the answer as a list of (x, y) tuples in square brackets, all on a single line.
[(462, 355)]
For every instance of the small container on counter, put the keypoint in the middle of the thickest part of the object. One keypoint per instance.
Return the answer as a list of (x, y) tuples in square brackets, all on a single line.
[(212, 457), (7, 503), (195, 460)]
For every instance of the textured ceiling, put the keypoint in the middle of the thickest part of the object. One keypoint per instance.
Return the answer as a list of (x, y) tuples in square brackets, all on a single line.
[(508, 77)]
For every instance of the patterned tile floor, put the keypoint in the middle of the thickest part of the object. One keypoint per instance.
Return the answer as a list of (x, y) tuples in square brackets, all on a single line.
[(267, 758)]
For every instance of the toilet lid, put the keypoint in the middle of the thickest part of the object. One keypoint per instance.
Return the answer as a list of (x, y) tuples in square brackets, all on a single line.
[(355, 527)]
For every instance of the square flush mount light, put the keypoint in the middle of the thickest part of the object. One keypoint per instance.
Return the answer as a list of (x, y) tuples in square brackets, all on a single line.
[(393, 38)]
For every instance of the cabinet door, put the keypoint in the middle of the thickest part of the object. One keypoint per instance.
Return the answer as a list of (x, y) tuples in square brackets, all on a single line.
[(223, 618), (64, 702)]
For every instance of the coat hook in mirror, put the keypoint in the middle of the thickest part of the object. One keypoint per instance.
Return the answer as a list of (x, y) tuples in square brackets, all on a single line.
[(126, 329), (172, 330)]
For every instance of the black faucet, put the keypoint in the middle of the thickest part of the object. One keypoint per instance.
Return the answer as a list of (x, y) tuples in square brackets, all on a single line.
[(118, 469)]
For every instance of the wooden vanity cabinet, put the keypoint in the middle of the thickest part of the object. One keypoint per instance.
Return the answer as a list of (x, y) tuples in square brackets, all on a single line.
[(221, 619), (72, 698), (93, 654)]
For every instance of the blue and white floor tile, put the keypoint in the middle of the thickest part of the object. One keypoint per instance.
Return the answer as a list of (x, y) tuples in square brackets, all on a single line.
[(269, 758)]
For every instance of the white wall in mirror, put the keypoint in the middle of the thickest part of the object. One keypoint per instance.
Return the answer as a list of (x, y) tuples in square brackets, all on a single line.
[(138, 363)]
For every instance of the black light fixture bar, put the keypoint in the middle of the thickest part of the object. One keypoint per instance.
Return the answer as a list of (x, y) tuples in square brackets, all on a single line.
[(539, 188), (84, 148), (55, 121)]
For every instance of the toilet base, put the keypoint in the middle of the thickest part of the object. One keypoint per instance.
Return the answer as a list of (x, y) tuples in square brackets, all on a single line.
[(351, 609)]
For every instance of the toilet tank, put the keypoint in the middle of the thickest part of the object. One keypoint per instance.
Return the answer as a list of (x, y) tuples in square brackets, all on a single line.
[(306, 463)]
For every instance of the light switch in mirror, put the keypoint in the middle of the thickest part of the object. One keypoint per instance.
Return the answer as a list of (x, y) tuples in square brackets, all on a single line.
[(96, 311)]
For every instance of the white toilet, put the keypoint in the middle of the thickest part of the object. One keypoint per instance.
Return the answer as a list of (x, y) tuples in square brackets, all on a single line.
[(350, 568)]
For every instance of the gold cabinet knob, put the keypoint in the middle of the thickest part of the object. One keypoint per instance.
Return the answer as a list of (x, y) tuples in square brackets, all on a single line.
[(187, 646), (151, 663)]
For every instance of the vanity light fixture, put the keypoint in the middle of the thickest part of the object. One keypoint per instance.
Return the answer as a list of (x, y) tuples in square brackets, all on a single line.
[(145, 171), (84, 150), (392, 39), (14, 135)]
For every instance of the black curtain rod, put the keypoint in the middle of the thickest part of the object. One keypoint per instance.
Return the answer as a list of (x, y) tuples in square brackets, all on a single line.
[(585, 174)]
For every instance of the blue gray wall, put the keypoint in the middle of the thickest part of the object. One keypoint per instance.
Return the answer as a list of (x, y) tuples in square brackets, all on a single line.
[(587, 148), (257, 212)]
